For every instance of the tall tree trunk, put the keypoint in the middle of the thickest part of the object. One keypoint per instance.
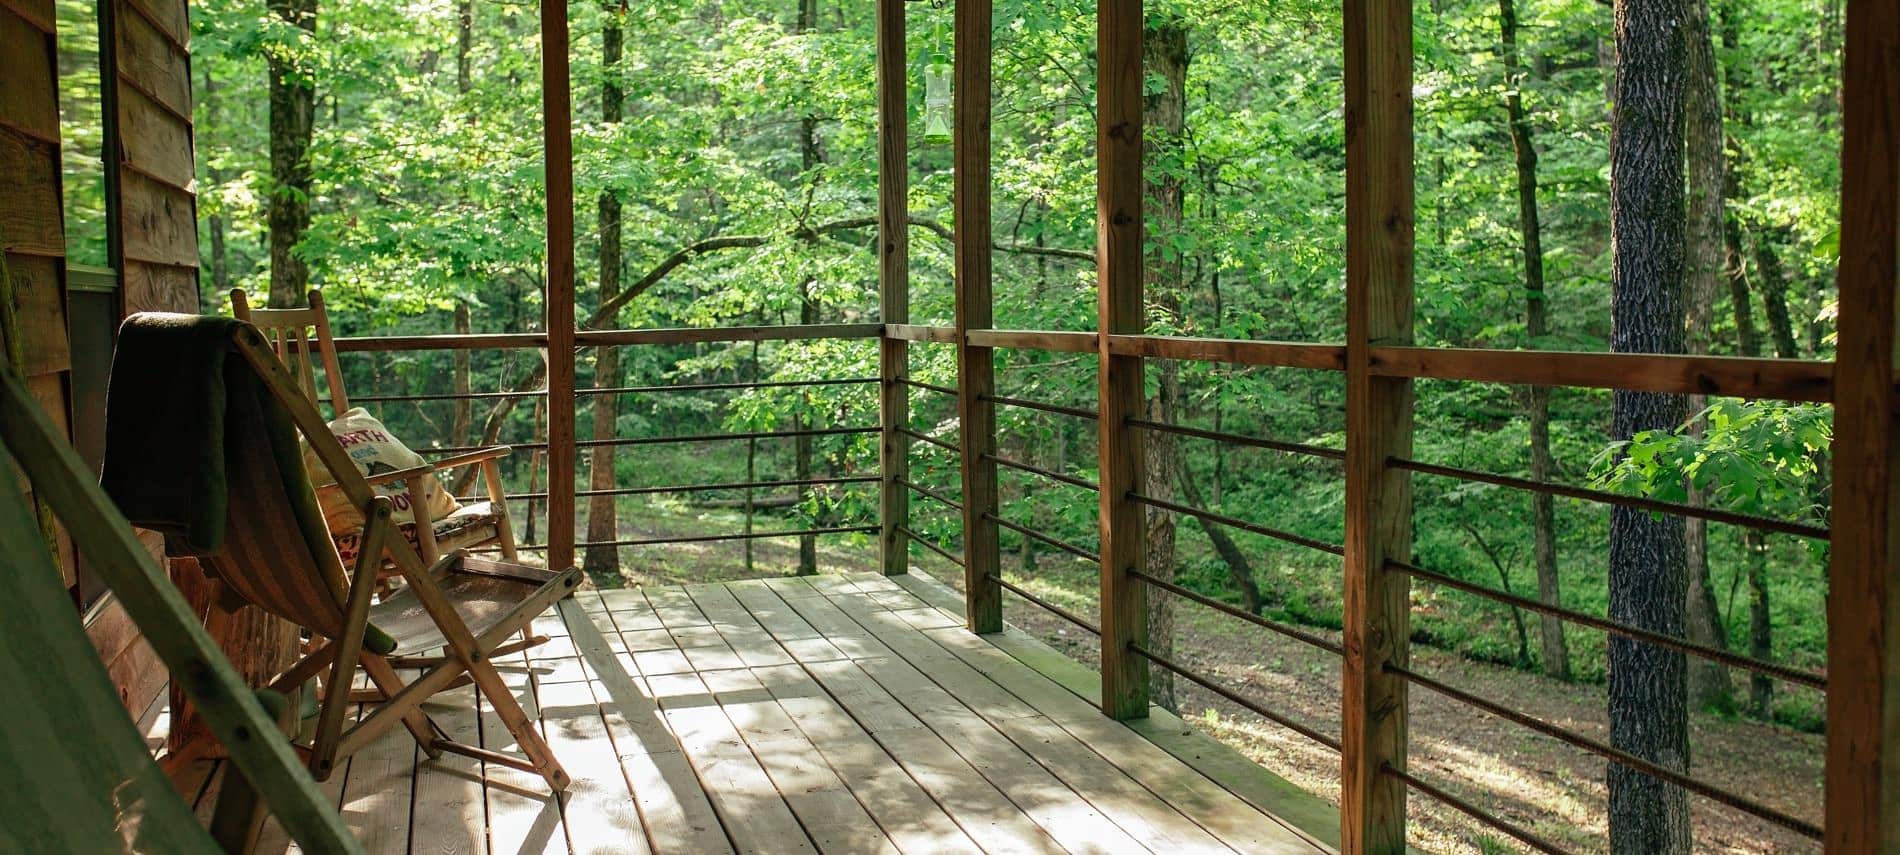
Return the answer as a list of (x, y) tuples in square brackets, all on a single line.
[(751, 474), (808, 305), (1536, 325), (1761, 688), (1164, 113), (292, 116), (1648, 689), (1772, 280), (1239, 569), (464, 42), (464, 416), (220, 257), (1703, 262), (1761, 645), (1768, 279), (802, 449), (602, 522)]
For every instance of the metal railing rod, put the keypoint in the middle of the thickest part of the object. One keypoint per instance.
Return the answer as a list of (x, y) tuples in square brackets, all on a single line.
[(1797, 529), (1046, 473), (922, 437), (736, 485), (1239, 439), (1032, 534), (1612, 753), (512, 497), (1781, 672), (1050, 607), (719, 437), (1229, 694), (616, 390), (1227, 609), (715, 387), (919, 384), (446, 396), (1471, 810), (1243, 525), (931, 545), (464, 449), (926, 491), (709, 538), (1026, 404)]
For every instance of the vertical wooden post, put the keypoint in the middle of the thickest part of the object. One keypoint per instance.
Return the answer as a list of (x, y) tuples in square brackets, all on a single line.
[(1863, 640), (1118, 274), (893, 283), (558, 308), (976, 366), (1379, 221)]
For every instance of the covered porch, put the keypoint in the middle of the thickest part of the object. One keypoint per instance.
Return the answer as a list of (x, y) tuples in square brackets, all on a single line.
[(840, 713)]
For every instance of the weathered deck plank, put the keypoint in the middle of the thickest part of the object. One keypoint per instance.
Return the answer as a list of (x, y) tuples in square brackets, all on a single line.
[(836, 714), (451, 806), (754, 813), (672, 803), (598, 810), (523, 817)]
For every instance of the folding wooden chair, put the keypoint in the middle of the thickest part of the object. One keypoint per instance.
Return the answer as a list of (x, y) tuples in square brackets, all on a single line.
[(74, 775), (301, 339), (278, 556)]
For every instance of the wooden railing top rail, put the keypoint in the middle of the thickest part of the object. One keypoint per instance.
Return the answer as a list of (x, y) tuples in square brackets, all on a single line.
[(596, 338), (1780, 379)]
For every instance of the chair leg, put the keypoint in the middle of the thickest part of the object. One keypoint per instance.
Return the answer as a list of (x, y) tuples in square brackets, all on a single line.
[(526, 737), (418, 722), (239, 817), (498, 501), (238, 820)]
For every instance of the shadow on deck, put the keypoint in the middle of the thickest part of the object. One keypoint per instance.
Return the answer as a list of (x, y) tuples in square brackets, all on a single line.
[(828, 714)]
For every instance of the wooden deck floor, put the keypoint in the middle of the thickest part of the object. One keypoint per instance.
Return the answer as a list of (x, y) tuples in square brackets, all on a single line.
[(832, 714)]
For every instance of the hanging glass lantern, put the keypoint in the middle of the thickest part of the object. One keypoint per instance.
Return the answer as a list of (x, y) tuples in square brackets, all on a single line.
[(937, 99)]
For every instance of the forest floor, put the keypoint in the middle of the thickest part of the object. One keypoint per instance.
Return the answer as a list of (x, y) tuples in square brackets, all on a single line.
[(1538, 783)]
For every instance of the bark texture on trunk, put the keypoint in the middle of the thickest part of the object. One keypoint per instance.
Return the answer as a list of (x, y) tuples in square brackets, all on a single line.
[(1703, 266), (1648, 690), (1164, 112), (1550, 629), (293, 105), (602, 521), (809, 157)]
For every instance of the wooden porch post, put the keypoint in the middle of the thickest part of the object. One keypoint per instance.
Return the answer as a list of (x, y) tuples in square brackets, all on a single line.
[(893, 284), (1863, 647), (558, 308), (1379, 220), (976, 379), (1118, 274)]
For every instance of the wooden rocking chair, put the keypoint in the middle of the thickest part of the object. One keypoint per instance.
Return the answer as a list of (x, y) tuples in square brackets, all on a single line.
[(301, 339), (277, 555)]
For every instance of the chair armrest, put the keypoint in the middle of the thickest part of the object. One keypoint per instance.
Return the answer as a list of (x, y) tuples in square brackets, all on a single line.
[(494, 452), (399, 475)]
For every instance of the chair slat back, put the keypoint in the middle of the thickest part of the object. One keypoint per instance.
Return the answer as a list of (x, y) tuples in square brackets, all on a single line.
[(302, 340)]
